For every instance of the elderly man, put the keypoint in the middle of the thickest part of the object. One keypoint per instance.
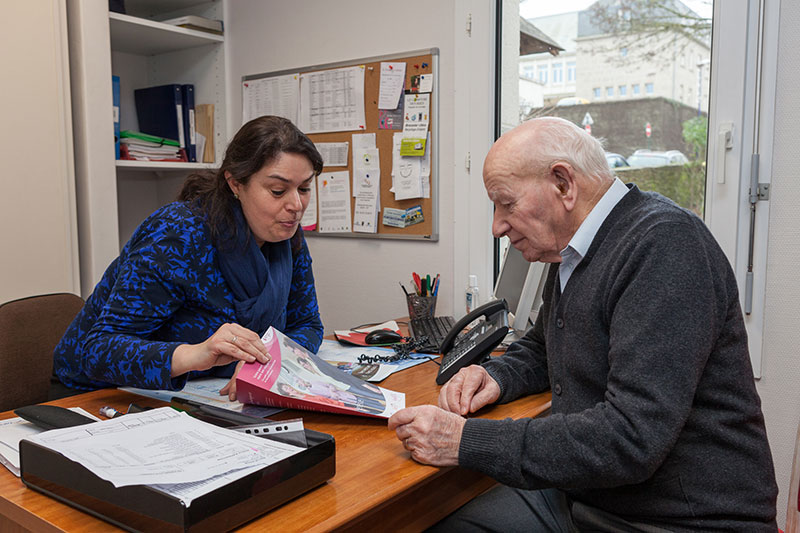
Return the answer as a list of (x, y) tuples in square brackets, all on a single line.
[(656, 424)]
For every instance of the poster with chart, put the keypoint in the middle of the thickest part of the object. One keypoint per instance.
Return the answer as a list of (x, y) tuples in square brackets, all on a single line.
[(332, 100), (278, 96)]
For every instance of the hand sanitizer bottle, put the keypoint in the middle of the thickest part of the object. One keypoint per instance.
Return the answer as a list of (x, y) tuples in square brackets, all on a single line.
[(473, 297)]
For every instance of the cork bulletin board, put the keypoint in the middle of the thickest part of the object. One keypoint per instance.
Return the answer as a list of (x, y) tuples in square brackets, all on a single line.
[(417, 63)]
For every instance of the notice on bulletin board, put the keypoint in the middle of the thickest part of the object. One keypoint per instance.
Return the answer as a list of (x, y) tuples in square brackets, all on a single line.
[(271, 96), (332, 100), (334, 202)]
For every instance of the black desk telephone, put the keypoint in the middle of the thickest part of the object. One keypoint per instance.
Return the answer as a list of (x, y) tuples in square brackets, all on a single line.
[(462, 349)]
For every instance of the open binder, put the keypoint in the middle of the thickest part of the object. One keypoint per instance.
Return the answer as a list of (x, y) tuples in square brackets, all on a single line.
[(145, 508)]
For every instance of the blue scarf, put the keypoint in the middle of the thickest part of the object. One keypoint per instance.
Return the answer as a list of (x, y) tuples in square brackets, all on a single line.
[(259, 278)]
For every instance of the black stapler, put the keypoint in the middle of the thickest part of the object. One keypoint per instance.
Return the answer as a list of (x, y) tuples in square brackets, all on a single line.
[(52, 416)]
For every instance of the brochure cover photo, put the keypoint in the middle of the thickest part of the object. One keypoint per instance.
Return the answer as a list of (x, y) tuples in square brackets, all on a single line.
[(297, 379)]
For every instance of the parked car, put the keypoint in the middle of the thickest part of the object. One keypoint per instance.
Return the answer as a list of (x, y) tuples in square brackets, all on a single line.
[(616, 160), (571, 100), (651, 158)]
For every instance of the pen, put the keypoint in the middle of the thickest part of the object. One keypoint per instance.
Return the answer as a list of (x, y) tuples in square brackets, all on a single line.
[(417, 282), (424, 287), (110, 412), (430, 286), (436, 285), (403, 287)]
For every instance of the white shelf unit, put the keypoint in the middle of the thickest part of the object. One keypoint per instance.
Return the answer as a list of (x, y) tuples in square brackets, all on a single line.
[(143, 52)]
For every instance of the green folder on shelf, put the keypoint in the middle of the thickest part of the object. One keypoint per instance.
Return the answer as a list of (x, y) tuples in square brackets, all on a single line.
[(150, 138)]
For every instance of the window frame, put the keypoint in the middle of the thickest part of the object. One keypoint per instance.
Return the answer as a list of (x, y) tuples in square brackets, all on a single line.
[(743, 85)]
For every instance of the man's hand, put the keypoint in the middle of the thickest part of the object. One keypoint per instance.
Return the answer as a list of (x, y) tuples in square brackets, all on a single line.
[(231, 342), (429, 433), (469, 390)]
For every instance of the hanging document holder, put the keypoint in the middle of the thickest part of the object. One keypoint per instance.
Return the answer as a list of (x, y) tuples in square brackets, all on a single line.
[(144, 508)]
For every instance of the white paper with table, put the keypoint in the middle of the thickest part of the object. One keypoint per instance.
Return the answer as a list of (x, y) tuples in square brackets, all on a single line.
[(163, 446)]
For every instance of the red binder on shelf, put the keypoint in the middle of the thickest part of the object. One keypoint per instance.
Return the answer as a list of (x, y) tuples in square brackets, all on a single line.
[(160, 111)]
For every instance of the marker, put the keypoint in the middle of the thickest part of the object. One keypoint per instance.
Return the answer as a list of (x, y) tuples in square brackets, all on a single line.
[(110, 412)]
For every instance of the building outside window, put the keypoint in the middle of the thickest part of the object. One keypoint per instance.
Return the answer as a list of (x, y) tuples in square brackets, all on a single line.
[(637, 90), (570, 71), (542, 69), (648, 88), (609, 92), (623, 52), (622, 90), (528, 72), (596, 92)]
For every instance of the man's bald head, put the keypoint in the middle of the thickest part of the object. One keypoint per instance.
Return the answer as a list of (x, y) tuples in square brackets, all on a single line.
[(535, 144)]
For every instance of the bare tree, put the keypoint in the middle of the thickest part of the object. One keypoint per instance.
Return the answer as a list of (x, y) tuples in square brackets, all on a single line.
[(659, 21)]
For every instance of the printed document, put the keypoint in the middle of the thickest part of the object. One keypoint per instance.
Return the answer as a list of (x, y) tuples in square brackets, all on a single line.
[(393, 76), (334, 201), (13, 430), (162, 446), (333, 154), (332, 100), (205, 391), (278, 95)]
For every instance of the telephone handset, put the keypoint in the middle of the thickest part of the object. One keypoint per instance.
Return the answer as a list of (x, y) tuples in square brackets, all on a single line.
[(460, 350)]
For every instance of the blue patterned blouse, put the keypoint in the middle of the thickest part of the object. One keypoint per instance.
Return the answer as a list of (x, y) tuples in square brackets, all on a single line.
[(165, 289)]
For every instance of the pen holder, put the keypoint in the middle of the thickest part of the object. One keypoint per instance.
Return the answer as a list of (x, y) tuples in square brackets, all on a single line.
[(421, 306)]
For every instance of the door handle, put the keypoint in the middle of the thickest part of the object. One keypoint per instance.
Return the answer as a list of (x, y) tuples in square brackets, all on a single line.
[(724, 143)]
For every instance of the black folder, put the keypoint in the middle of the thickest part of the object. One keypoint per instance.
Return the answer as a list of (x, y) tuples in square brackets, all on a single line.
[(160, 111), (143, 508)]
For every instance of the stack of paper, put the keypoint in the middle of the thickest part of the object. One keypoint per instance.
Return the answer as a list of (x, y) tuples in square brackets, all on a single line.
[(144, 147)]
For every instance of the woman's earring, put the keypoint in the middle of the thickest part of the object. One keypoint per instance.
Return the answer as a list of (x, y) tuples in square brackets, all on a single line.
[(235, 196)]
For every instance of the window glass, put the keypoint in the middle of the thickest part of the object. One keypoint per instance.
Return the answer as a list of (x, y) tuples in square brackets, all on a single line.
[(527, 71), (558, 73), (542, 69), (637, 77)]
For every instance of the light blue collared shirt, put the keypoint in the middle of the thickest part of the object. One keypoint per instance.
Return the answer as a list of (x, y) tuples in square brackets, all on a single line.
[(572, 255)]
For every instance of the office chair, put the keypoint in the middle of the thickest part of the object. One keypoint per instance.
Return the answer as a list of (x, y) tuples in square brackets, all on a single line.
[(30, 329)]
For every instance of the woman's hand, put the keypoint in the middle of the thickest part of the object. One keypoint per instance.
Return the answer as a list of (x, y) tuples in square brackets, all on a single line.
[(230, 388), (231, 342)]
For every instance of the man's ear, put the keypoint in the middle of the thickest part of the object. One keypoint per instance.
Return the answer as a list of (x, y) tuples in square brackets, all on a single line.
[(564, 176)]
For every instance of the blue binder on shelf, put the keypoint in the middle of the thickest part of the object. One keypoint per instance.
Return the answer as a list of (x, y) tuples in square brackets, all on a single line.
[(115, 96), (189, 130), (160, 111)]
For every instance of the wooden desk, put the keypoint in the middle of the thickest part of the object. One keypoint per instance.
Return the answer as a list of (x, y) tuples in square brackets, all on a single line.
[(377, 485)]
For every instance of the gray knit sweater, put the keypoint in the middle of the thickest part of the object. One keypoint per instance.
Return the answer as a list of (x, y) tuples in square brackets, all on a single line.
[(655, 415)]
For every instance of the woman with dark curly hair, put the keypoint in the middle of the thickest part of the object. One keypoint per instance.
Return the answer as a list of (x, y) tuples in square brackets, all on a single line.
[(202, 279)]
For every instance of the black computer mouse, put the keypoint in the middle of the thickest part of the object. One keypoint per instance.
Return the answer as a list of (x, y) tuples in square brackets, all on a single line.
[(382, 336)]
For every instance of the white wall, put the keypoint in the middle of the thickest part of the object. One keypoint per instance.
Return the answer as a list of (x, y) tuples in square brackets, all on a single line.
[(357, 279), (38, 227), (779, 386)]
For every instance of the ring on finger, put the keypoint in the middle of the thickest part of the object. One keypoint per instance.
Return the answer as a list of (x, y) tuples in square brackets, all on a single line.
[(233, 340)]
